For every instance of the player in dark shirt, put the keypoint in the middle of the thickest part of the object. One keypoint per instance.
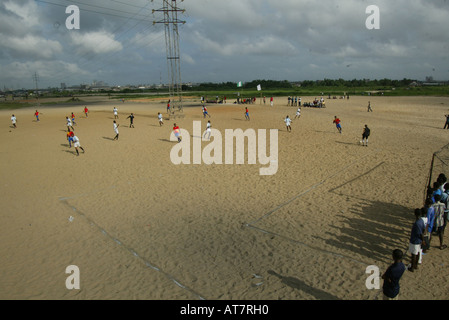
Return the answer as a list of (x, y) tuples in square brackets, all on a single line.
[(392, 276), (131, 120)]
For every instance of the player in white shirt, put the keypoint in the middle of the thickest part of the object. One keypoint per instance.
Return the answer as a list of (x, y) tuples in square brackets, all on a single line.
[(14, 120), (116, 130), (115, 113), (69, 124), (298, 113), (76, 144), (288, 121), (208, 129), (161, 121)]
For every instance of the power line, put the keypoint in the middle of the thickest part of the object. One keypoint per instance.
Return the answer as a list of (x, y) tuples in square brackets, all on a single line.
[(94, 6), (124, 3), (100, 44), (93, 11)]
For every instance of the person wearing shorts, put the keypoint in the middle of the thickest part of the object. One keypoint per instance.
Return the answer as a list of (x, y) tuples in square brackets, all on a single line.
[(246, 114), (288, 122), (365, 135), (115, 113), (416, 238), (69, 124), (14, 120), (205, 113), (36, 114), (440, 219), (159, 117), (131, 120), (86, 111), (76, 144), (208, 130), (337, 123), (177, 132), (70, 135)]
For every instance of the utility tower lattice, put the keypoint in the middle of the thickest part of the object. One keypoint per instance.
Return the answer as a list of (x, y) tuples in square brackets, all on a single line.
[(170, 11), (36, 80)]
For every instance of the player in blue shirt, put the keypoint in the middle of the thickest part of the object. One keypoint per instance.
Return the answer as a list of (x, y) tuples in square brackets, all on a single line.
[(416, 239)]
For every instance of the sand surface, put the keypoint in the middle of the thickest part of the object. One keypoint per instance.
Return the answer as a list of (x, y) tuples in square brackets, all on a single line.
[(139, 227)]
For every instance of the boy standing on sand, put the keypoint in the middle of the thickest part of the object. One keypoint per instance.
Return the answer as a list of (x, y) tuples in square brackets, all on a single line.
[(416, 239), (131, 120), (36, 114), (365, 136), (440, 219), (392, 276), (288, 121), (115, 113), (86, 111)]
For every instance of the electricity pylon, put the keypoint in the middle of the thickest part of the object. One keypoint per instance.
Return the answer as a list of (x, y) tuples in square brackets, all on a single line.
[(170, 12)]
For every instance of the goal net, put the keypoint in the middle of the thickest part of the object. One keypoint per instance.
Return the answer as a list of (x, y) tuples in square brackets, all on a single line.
[(440, 164)]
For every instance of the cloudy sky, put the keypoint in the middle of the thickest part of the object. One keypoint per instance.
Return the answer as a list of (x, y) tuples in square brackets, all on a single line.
[(232, 40)]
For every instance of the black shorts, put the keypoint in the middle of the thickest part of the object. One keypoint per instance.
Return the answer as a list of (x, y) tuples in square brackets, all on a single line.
[(364, 136)]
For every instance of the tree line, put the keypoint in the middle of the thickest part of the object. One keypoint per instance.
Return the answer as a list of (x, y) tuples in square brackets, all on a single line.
[(284, 84)]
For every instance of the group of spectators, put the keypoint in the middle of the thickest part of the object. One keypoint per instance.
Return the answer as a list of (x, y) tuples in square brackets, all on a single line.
[(430, 221), (316, 103)]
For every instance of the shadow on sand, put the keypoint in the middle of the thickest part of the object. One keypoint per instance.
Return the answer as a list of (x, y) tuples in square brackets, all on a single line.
[(373, 231), (302, 286)]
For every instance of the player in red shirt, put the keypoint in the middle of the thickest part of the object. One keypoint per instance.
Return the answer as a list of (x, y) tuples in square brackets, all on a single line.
[(86, 111), (337, 123), (36, 114), (177, 132), (246, 113)]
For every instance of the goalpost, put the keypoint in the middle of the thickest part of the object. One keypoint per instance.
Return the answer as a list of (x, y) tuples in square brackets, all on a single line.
[(439, 164)]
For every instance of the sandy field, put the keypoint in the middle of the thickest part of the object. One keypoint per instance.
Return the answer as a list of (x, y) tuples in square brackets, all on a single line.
[(139, 227)]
